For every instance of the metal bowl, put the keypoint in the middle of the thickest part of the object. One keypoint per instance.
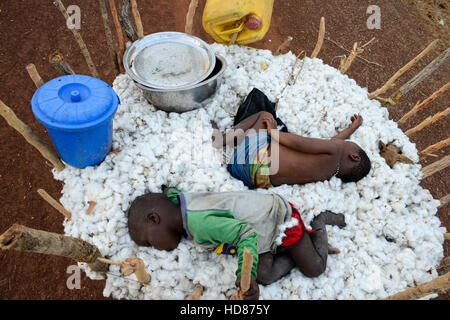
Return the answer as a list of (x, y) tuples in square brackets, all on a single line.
[(187, 99), (169, 60)]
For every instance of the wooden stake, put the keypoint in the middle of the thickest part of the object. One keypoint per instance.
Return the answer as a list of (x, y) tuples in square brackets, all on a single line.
[(290, 78), (116, 263), (141, 273), (121, 41), (55, 204), (91, 207), (355, 51), (283, 46), (247, 265), (391, 82), (190, 16), (109, 37), (135, 265), (436, 166), (57, 61), (444, 200), (434, 147), (358, 57), (115, 151), (21, 238), (320, 38), (368, 42), (125, 20), (422, 75), (234, 38), (236, 34), (34, 75), (196, 294), (137, 19), (429, 121), (447, 236), (420, 106), (300, 70), (129, 266), (31, 138), (439, 285), (79, 40), (246, 272)]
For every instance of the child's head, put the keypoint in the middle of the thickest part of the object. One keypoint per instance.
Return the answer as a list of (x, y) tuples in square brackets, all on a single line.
[(355, 164), (153, 220)]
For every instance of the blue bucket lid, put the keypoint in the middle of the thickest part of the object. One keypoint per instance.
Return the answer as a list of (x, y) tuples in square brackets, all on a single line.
[(74, 102)]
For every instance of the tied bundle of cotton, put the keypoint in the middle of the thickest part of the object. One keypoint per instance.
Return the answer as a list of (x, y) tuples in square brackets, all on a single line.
[(392, 240)]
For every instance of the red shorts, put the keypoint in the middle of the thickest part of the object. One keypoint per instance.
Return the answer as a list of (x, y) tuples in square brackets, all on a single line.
[(294, 234)]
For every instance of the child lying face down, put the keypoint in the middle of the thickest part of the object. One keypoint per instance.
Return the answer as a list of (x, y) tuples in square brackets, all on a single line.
[(230, 221), (262, 156)]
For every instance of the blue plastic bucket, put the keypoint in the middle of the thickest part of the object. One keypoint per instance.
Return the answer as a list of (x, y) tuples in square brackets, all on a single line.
[(77, 111)]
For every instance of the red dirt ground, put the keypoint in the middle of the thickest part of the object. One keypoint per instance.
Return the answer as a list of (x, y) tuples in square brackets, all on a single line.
[(32, 30)]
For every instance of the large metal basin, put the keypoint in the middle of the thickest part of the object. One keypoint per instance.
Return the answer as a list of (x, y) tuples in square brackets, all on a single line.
[(169, 60), (190, 98)]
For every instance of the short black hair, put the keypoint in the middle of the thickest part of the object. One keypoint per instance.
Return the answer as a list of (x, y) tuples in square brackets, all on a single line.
[(360, 170), (141, 207)]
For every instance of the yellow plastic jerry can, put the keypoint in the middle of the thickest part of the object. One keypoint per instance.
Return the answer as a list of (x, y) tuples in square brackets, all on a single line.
[(239, 21)]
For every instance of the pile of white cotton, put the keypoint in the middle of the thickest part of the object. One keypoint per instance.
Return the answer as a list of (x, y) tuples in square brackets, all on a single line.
[(392, 241)]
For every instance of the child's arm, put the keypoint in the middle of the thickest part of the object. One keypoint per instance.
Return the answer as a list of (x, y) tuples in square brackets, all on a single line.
[(313, 145), (220, 227), (302, 144), (357, 120)]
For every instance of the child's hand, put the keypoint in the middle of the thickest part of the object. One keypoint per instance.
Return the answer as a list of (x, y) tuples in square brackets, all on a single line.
[(270, 123), (357, 120), (252, 293)]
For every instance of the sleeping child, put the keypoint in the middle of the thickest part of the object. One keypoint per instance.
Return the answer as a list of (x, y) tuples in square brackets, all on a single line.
[(261, 153), (270, 227)]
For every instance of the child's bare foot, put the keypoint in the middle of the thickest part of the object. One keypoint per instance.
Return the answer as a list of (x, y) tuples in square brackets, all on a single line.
[(332, 250), (332, 219)]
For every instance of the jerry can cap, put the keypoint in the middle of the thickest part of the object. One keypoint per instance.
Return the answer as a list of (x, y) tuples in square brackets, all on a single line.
[(253, 22)]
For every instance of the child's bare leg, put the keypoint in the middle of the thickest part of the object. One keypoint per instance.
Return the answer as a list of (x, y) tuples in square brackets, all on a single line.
[(236, 135), (271, 267), (254, 122), (311, 252)]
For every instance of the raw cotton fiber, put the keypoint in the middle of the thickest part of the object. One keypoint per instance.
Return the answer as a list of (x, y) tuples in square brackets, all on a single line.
[(392, 241)]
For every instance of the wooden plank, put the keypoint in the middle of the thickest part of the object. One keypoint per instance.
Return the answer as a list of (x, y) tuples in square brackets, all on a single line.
[(434, 147), (436, 166), (444, 200), (429, 121), (11, 118), (391, 82), (422, 75), (79, 39)]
